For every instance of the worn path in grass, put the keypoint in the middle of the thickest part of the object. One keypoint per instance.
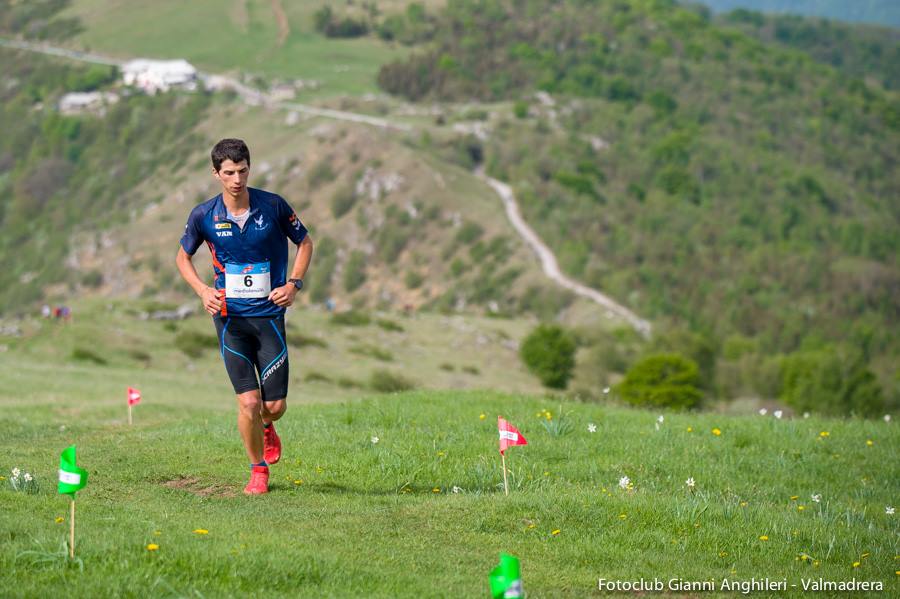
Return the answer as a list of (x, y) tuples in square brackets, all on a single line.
[(349, 516)]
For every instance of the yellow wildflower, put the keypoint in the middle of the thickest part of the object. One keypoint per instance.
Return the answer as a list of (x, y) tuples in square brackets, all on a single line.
[(795, 497), (482, 416), (622, 516), (743, 504), (152, 547), (824, 434), (157, 532), (555, 532), (436, 490), (690, 429), (530, 526), (869, 442), (440, 454), (59, 519), (865, 555), (764, 538), (201, 531), (856, 564), (816, 563), (299, 481), (723, 554), (800, 508), (716, 432)]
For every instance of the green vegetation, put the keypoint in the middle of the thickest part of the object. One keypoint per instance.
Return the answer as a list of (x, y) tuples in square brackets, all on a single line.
[(355, 271), (352, 318), (194, 343), (59, 172), (859, 51), (385, 381), (549, 352), (711, 181), (663, 381), (181, 468)]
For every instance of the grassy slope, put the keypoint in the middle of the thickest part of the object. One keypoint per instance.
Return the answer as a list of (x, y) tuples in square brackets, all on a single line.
[(381, 520), (198, 31)]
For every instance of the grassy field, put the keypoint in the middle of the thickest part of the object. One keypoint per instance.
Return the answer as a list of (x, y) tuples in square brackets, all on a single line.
[(239, 35), (348, 516)]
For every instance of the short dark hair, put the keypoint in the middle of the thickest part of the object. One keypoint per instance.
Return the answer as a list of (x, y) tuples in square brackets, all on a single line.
[(231, 149)]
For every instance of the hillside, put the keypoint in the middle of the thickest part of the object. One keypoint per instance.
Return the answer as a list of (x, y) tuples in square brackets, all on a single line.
[(883, 12), (859, 51), (705, 177)]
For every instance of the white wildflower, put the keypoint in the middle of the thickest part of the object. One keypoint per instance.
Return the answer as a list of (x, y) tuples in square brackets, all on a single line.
[(592, 428), (763, 411), (777, 414), (889, 510), (28, 477), (690, 482), (816, 497), (605, 390), (374, 440), (660, 419), (624, 482), (887, 417), (806, 414), (16, 472), (456, 489)]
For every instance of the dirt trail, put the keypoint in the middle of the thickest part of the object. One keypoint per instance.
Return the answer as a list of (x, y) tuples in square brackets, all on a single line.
[(284, 27)]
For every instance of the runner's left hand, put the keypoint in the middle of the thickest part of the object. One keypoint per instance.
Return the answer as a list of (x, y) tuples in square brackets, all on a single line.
[(283, 296)]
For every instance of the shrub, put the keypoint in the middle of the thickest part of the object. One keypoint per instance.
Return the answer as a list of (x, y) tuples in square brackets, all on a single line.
[(300, 340), (351, 318), (385, 381), (85, 355), (92, 279), (662, 380), (373, 352), (389, 325), (355, 271), (321, 173), (830, 381), (413, 279), (549, 353), (342, 201), (193, 344), (314, 377)]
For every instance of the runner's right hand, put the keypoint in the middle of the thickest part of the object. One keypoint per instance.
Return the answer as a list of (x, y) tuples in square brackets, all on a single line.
[(212, 301)]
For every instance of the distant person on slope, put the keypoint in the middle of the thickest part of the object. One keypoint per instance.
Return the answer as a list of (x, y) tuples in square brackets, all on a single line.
[(247, 231)]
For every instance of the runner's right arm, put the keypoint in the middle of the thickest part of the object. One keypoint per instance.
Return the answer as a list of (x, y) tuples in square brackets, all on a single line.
[(212, 303)]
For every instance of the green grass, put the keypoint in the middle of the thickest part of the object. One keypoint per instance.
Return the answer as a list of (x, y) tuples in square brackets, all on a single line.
[(349, 517), (217, 37)]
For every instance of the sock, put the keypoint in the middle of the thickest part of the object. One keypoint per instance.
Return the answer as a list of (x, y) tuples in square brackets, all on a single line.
[(267, 425), (263, 464)]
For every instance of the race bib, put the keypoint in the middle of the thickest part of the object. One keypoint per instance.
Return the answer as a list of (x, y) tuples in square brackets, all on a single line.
[(245, 281)]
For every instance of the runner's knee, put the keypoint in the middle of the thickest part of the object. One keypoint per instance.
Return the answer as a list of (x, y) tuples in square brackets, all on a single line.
[(274, 409), (250, 402)]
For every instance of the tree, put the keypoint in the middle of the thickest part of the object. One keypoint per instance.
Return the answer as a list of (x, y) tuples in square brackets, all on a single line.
[(662, 380), (549, 352)]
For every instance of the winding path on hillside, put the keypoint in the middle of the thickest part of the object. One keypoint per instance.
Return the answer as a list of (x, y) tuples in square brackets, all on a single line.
[(547, 258)]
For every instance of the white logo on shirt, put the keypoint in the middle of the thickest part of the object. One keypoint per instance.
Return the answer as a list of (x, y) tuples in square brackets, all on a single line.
[(259, 223)]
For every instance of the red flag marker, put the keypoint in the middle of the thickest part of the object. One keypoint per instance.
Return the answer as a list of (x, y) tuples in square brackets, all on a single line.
[(134, 397), (509, 435)]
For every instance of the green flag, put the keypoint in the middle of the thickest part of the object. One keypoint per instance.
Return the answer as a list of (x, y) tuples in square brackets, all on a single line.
[(506, 581), (71, 477)]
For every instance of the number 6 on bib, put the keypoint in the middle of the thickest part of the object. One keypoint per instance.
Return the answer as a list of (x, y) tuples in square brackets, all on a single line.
[(243, 281)]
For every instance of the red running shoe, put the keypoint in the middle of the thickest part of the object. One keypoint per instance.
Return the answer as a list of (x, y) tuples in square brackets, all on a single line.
[(271, 445), (259, 481)]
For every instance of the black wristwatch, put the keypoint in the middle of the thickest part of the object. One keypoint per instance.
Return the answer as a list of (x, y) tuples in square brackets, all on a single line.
[(298, 283)]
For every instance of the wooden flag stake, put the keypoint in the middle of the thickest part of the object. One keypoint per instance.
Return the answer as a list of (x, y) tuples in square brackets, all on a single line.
[(505, 484), (72, 530), (129, 414)]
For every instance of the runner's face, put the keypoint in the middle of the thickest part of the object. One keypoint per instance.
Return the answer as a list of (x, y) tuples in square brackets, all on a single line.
[(233, 176)]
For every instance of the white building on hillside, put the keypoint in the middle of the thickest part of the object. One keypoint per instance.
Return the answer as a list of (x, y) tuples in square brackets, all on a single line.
[(159, 75)]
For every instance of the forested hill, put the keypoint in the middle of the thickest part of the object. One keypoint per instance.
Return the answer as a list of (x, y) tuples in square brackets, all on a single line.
[(859, 51), (692, 171), (883, 12)]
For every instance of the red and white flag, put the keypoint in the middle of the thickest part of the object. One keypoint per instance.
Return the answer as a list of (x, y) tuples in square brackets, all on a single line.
[(509, 435), (134, 396)]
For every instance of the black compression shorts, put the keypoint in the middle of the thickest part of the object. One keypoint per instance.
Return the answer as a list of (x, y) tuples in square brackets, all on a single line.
[(255, 346)]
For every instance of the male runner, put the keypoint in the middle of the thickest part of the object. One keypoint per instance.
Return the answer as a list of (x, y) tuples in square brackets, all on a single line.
[(246, 230)]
